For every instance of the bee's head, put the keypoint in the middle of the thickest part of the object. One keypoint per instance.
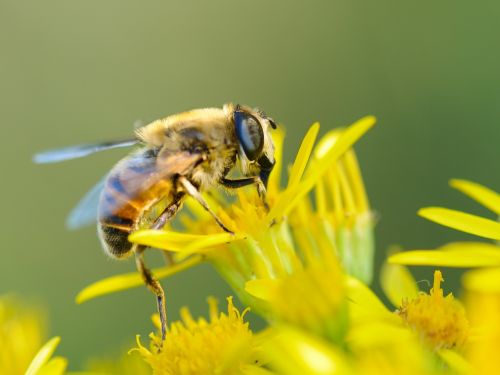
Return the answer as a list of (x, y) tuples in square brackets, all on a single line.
[(256, 151)]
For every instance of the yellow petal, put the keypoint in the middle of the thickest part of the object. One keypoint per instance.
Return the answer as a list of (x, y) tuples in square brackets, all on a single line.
[(471, 246), (327, 142), (481, 194), (131, 280), (377, 333), (273, 186), (455, 361), (303, 155), (262, 288), (289, 198), (167, 240), (483, 281), (356, 181), (208, 242), (43, 356), (296, 352), (397, 283), (364, 305), (342, 143), (462, 221), (56, 366), (458, 254)]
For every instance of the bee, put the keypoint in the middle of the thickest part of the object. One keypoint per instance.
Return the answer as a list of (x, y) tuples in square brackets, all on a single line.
[(178, 156)]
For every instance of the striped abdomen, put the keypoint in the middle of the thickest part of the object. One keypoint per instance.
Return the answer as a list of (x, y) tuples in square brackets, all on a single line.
[(131, 189)]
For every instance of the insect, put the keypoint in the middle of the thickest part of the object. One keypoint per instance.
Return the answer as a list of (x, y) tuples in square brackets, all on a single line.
[(178, 156)]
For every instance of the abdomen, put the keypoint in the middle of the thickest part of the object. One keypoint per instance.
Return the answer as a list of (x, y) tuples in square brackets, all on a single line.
[(124, 201), (114, 240)]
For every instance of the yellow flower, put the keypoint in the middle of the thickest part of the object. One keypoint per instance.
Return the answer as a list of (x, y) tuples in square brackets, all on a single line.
[(22, 331), (439, 320), (293, 243), (383, 341), (222, 345), (391, 343), (298, 240), (461, 254), (483, 285)]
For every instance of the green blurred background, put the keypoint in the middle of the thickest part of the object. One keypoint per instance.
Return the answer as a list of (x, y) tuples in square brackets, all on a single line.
[(80, 71)]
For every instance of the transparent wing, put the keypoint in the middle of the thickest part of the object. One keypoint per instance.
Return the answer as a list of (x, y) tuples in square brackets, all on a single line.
[(85, 212), (141, 178), (79, 151)]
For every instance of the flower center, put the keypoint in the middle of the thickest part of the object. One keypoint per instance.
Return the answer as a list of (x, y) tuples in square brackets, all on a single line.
[(221, 345), (439, 320)]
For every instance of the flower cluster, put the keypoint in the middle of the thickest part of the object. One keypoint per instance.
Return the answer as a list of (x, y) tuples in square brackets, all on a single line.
[(482, 285), (303, 261)]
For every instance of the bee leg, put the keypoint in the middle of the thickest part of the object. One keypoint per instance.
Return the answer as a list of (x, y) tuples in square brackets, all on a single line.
[(168, 213), (238, 183), (193, 192), (150, 281), (164, 217), (153, 285)]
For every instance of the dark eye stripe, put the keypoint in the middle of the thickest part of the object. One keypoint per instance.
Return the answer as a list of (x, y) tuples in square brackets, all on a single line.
[(249, 133)]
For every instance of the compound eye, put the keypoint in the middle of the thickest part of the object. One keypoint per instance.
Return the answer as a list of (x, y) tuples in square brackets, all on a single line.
[(249, 133)]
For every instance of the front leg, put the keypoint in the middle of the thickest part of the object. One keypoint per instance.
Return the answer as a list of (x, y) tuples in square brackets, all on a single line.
[(241, 182), (191, 190)]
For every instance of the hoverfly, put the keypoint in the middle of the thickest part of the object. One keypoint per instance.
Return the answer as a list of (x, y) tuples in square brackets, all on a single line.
[(178, 156)]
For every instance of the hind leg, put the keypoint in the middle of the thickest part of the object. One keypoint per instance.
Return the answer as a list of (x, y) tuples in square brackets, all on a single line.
[(151, 282), (153, 285)]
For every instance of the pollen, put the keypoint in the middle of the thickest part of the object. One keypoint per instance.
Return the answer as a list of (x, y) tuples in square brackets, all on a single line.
[(439, 320), (221, 345)]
